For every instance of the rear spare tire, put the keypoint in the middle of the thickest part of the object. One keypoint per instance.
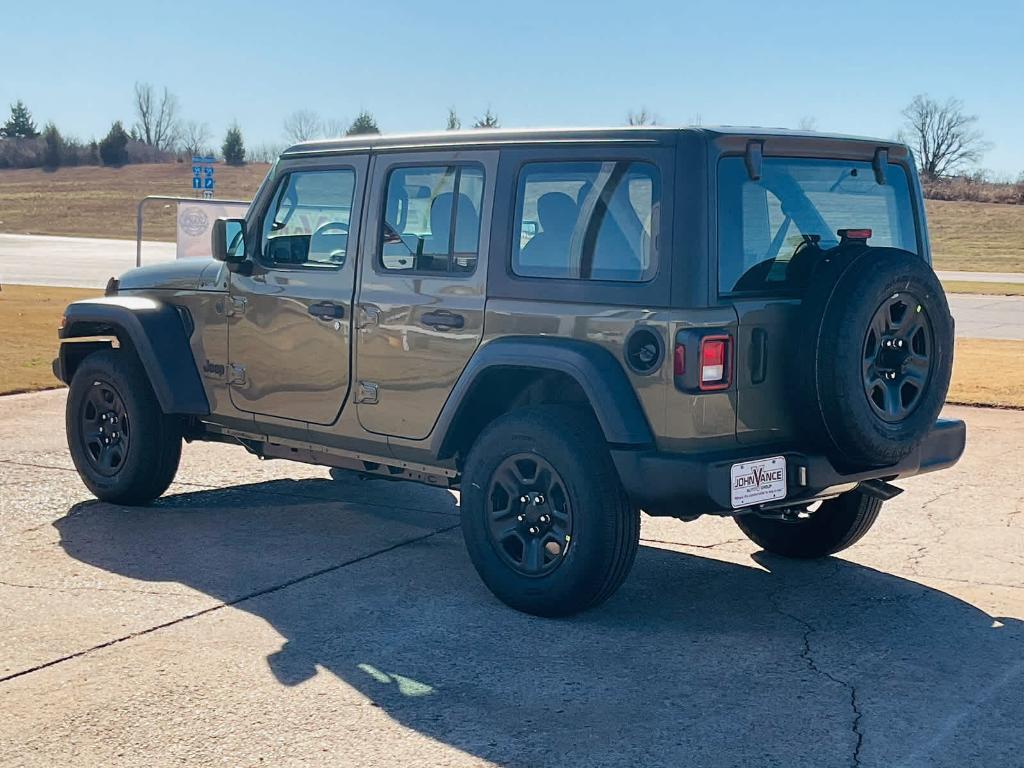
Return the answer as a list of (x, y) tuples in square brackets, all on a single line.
[(876, 355)]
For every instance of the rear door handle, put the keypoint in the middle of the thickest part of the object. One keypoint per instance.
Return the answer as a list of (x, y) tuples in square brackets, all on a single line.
[(327, 310), (443, 320)]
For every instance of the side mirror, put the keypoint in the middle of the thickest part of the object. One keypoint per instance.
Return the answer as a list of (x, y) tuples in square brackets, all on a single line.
[(228, 240)]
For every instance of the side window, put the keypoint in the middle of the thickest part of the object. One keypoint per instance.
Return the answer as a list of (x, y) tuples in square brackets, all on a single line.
[(432, 219), (308, 220), (588, 221)]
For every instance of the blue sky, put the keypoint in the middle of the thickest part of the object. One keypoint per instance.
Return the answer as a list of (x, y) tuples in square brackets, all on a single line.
[(850, 66)]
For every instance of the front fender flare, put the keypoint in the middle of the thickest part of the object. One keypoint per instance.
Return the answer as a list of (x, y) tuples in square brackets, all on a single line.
[(156, 332)]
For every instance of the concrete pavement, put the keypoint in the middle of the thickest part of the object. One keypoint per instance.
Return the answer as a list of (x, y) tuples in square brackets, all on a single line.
[(88, 263), (74, 262), (983, 277), (263, 614)]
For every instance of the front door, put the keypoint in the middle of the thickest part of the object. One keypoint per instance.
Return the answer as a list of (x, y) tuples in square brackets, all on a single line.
[(422, 292), (290, 319)]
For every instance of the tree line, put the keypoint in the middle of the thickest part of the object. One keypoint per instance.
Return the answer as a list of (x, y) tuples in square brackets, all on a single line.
[(944, 136), (159, 133)]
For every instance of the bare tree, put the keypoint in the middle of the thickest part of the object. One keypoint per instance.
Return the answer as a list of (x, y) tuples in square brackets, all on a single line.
[(643, 117), (158, 124), (943, 136), (489, 120), (335, 128), (302, 125), (808, 123), (195, 137)]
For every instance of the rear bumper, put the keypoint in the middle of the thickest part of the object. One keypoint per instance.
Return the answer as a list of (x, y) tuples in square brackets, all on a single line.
[(687, 485)]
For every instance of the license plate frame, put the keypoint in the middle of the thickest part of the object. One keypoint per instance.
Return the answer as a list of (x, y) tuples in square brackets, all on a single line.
[(757, 481)]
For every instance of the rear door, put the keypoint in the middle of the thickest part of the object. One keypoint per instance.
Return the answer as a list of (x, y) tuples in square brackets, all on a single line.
[(289, 326), (423, 285), (771, 232)]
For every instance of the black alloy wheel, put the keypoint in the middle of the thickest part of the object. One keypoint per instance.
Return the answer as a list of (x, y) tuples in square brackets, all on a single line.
[(530, 516), (105, 428), (897, 359)]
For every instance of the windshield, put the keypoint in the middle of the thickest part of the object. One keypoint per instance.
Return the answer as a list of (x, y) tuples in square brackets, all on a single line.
[(771, 230)]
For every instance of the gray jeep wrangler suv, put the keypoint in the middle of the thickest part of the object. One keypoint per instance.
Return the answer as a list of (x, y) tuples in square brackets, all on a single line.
[(567, 326)]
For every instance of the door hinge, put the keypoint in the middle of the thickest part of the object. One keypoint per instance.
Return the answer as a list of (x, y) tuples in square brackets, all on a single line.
[(235, 305), (236, 375), (366, 392)]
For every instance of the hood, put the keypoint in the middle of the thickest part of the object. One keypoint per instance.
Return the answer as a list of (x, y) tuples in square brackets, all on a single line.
[(200, 274)]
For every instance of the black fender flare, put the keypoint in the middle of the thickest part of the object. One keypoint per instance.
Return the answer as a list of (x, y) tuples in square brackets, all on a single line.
[(156, 331), (599, 374)]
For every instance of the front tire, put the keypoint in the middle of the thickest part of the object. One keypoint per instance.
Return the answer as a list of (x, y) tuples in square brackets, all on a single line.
[(546, 521), (126, 450), (837, 524)]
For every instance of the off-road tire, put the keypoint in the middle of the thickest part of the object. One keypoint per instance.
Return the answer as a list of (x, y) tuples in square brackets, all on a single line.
[(150, 460), (837, 524), (847, 290), (605, 525)]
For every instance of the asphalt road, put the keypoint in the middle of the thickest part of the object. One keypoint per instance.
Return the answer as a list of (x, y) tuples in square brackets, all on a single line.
[(262, 614), (88, 263)]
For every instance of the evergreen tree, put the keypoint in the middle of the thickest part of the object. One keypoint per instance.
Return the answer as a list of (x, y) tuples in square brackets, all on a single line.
[(454, 123), (19, 125), (233, 147), (53, 147), (364, 123), (114, 147), (489, 120)]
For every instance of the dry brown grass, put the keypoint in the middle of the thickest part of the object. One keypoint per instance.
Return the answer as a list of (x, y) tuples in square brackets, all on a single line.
[(988, 372), (29, 316), (985, 289), (976, 237), (90, 201)]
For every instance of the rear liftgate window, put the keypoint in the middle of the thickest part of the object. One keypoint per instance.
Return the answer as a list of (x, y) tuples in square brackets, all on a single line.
[(587, 221), (772, 231)]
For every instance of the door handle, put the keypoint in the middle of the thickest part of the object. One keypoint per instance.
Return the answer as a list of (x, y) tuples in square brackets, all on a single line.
[(443, 320), (327, 310)]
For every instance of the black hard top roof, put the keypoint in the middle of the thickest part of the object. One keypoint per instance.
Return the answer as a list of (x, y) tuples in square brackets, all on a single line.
[(505, 137)]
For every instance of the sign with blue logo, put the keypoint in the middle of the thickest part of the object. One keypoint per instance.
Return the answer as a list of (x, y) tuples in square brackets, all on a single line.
[(203, 179)]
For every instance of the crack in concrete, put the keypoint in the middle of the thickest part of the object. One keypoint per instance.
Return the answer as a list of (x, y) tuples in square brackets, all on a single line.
[(807, 655), (48, 588), (228, 604), (693, 546)]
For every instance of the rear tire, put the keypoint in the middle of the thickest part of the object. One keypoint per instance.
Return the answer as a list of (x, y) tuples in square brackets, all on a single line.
[(587, 529), (839, 523), (126, 450)]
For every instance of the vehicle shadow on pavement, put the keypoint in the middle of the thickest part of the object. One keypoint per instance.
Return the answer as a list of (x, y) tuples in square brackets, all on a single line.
[(694, 661)]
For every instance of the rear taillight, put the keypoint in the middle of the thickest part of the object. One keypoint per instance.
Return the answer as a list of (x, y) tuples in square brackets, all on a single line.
[(715, 367)]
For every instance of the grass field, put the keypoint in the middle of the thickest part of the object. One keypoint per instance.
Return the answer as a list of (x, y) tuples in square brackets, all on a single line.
[(89, 201), (33, 314), (976, 237), (30, 316), (986, 289), (100, 202)]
